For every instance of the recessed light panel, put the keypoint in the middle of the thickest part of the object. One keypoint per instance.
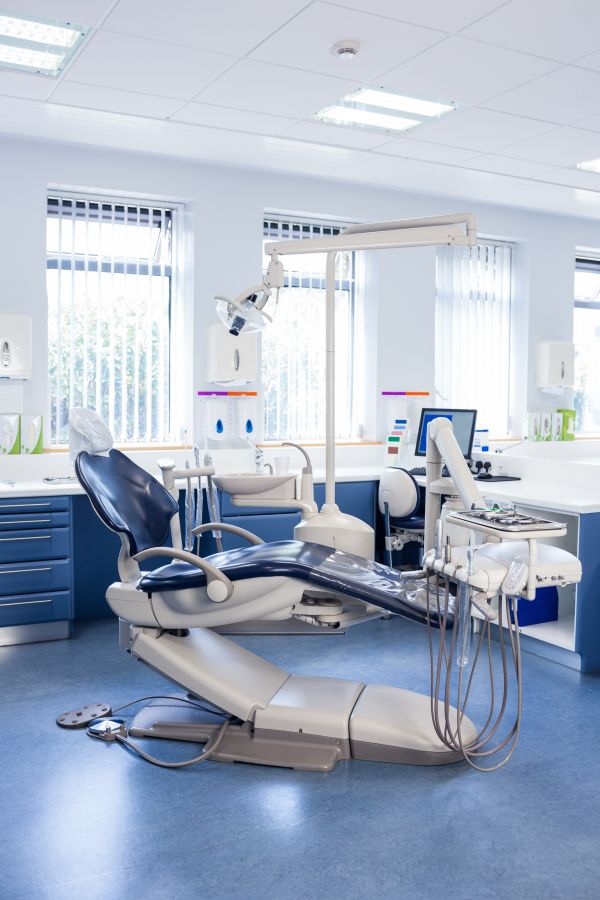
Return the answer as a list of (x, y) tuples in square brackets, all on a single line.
[(592, 165), (383, 110), (41, 46)]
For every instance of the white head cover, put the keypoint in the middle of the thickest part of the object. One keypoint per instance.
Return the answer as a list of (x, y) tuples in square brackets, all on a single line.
[(87, 431)]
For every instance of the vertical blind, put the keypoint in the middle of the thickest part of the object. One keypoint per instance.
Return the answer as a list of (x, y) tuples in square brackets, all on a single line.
[(586, 337), (473, 331), (109, 279), (293, 347)]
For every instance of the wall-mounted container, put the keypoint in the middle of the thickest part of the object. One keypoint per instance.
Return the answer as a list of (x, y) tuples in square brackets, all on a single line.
[(555, 366), (231, 360), (15, 346)]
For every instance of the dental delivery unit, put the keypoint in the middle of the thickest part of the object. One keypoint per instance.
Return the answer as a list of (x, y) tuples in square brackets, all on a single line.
[(477, 566)]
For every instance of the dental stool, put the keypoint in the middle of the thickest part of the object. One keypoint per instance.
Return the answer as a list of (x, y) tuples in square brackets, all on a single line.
[(273, 717), (402, 506)]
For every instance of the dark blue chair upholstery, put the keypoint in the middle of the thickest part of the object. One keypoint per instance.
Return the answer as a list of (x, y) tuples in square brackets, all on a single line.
[(127, 498), (315, 564), (130, 501)]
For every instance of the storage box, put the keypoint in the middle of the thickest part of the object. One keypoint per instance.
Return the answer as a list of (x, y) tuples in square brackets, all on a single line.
[(543, 609), (10, 433), (32, 434)]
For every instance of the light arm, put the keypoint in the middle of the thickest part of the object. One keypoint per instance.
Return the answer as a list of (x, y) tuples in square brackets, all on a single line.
[(441, 443)]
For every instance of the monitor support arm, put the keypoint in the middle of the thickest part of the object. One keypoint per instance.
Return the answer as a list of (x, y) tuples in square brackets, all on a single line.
[(441, 443)]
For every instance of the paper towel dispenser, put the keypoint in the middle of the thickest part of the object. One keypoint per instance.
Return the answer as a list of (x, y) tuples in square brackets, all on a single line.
[(555, 366), (15, 346)]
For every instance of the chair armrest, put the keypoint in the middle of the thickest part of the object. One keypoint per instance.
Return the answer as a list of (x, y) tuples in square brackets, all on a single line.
[(218, 585), (233, 529)]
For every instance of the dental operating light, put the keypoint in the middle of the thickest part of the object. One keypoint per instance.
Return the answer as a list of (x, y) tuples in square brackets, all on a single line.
[(247, 313)]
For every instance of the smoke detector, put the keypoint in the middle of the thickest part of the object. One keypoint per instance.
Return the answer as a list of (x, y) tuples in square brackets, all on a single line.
[(346, 49)]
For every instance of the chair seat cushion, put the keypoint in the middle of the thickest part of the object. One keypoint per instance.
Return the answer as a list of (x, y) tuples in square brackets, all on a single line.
[(315, 564), (415, 523)]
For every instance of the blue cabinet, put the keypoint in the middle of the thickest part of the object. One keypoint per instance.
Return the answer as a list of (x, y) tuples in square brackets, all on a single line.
[(36, 595)]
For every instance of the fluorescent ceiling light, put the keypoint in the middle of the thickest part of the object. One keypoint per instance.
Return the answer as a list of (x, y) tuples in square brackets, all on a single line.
[(400, 103), (348, 115), (37, 45), (592, 165), (382, 110)]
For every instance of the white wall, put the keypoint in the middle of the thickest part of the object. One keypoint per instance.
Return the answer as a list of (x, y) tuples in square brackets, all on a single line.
[(225, 208)]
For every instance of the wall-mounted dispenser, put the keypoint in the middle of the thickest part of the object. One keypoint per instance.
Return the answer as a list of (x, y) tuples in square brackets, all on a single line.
[(231, 360), (15, 346), (555, 366)]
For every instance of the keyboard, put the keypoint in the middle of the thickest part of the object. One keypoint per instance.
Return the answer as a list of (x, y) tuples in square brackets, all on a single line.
[(421, 470)]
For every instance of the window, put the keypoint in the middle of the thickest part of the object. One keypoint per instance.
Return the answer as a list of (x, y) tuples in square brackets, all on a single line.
[(109, 278), (586, 336), (293, 347), (473, 331)]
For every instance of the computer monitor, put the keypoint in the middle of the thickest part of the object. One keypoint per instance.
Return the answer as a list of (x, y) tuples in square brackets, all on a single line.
[(463, 425)]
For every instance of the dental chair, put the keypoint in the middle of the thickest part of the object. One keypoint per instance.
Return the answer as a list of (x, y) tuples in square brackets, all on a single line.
[(166, 617)]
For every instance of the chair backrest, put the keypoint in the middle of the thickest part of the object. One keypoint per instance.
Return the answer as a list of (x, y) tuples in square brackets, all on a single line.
[(400, 491), (128, 499)]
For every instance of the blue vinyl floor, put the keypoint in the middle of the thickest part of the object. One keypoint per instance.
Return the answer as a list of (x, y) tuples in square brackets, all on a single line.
[(82, 819)]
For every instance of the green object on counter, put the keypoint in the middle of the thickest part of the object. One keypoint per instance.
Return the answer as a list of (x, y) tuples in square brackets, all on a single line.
[(568, 425), (10, 433), (32, 434)]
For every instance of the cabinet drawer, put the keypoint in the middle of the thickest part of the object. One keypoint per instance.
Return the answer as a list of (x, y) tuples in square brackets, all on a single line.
[(41, 519), (11, 505), (34, 577), (48, 543), (24, 609)]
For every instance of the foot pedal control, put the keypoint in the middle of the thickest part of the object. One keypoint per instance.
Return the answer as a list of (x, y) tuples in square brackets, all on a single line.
[(81, 718)]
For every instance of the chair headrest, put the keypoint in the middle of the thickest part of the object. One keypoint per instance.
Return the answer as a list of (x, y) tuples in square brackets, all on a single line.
[(128, 499)]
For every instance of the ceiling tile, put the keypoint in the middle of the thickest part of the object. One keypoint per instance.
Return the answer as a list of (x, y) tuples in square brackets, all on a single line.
[(564, 96), (233, 119), (127, 102), (464, 71), (150, 67), (561, 147), (592, 61), (306, 42), (81, 12), (412, 149), (262, 87), (431, 13), (480, 129), (502, 165), (574, 178), (227, 26), (334, 136), (19, 84), (591, 124), (562, 31)]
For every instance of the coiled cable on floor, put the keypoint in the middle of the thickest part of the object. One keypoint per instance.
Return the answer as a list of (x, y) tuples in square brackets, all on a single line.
[(108, 729)]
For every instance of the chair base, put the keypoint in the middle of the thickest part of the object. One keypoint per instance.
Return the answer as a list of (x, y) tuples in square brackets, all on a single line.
[(295, 721)]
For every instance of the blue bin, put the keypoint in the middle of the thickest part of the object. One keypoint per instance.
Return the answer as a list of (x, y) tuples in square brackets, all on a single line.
[(543, 609)]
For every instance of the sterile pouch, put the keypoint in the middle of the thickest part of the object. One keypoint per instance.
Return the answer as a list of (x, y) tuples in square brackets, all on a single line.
[(87, 431)]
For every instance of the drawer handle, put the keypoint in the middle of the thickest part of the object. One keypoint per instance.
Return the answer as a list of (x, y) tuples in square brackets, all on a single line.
[(23, 571), (21, 505), (25, 521), (33, 537), (25, 603)]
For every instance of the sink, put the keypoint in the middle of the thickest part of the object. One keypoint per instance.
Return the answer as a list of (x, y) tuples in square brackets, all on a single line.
[(280, 487)]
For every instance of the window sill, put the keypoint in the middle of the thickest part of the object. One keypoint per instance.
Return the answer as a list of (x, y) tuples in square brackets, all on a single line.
[(63, 448), (274, 444)]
